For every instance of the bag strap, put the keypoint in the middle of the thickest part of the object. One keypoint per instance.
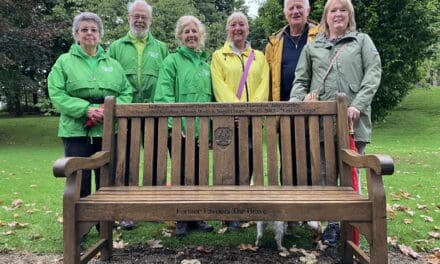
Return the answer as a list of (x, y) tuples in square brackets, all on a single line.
[(245, 74), (330, 67)]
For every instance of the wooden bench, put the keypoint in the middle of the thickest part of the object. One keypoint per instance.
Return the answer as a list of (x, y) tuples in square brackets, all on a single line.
[(220, 194)]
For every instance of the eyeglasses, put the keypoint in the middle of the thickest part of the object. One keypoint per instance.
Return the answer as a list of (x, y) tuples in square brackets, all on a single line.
[(137, 17), (85, 30)]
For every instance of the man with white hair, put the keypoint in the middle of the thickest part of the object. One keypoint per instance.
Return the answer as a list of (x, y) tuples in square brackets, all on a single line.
[(284, 47), (141, 55)]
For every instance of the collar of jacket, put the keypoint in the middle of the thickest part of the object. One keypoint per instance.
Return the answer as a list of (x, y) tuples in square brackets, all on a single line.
[(322, 41), (228, 50), (192, 54), (76, 50), (148, 39), (279, 34)]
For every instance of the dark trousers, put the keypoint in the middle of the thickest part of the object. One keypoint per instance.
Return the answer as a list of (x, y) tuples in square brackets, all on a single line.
[(83, 147)]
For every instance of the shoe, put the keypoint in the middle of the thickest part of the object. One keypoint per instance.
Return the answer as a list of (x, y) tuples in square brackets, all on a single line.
[(233, 225), (127, 225), (331, 234), (202, 226), (181, 229)]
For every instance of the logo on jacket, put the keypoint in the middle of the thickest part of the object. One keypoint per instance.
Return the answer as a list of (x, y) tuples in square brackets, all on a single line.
[(107, 68), (153, 54)]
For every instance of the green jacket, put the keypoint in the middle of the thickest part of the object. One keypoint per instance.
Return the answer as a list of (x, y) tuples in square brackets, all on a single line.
[(184, 77), (357, 73), (72, 80), (155, 51)]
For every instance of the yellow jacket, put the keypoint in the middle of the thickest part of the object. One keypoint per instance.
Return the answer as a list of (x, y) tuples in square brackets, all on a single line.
[(274, 53), (227, 69)]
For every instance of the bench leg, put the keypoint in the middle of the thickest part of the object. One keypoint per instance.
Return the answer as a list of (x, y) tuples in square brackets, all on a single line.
[(71, 241), (378, 247), (106, 232), (346, 251)]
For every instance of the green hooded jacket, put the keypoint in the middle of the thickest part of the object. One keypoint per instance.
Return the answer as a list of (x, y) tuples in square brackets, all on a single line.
[(72, 81), (356, 72), (184, 77), (155, 51)]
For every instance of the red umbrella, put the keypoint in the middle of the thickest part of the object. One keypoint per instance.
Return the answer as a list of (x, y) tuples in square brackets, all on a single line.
[(354, 176)]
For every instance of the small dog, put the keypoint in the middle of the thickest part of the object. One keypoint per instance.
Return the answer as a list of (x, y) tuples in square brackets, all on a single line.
[(280, 228)]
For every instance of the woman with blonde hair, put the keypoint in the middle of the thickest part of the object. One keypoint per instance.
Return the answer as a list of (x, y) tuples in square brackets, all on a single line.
[(184, 76), (340, 59)]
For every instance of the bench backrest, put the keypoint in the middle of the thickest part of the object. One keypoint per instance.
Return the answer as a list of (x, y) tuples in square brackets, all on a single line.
[(288, 139)]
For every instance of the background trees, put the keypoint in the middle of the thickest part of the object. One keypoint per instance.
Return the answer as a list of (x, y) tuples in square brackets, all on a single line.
[(35, 33)]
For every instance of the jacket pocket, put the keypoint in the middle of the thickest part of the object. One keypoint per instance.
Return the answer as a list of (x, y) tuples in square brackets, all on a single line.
[(354, 88)]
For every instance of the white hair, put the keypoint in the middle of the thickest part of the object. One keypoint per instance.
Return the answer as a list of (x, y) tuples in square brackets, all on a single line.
[(131, 5), (186, 20), (87, 16), (306, 3)]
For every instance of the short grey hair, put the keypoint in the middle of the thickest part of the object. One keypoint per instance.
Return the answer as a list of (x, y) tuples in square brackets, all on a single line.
[(130, 6), (186, 20), (306, 4), (87, 16), (234, 15), (351, 20)]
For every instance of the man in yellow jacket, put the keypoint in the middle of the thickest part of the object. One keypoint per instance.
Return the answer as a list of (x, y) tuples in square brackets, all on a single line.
[(285, 46)]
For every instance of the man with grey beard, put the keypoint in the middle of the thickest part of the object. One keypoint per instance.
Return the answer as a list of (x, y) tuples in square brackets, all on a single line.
[(141, 55)]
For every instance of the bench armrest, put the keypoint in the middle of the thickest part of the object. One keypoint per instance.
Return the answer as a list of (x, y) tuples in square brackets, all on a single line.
[(380, 164), (65, 167)]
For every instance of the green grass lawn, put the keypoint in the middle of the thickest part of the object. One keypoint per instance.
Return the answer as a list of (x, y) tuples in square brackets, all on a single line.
[(29, 146)]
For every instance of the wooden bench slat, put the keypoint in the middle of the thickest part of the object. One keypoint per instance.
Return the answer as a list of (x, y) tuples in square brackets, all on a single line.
[(329, 151), (286, 150), (149, 143), (162, 139), (204, 151), (176, 151), (257, 149), (121, 152), (224, 151), (135, 144), (190, 147), (272, 150), (315, 150), (300, 150), (243, 151)]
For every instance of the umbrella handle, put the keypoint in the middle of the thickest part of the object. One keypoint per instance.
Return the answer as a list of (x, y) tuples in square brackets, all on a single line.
[(350, 127)]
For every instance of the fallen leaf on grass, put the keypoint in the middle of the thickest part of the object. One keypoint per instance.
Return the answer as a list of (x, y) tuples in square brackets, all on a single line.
[(190, 261), (8, 208), (427, 218), (167, 232), (202, 249), (152, 243), (435, 235), (222, 230), (3, 223), (284, 253), (35, 237), (8, 233), (407, 221), (119, 244), (438, 206), (33, 186), (408, 251), (422, 207), (60, 219), (16, 224), (17, 203), (30, 211), (16, 216), (401, 208), (392, 241), (247, 224), (391, 212), (410, 213), (400, 195), (248, 247)]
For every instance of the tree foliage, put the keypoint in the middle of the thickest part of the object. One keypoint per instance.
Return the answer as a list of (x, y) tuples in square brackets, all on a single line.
[(405, 32)]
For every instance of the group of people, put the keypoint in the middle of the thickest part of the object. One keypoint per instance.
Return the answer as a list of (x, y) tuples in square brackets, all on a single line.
[(304, 61)]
